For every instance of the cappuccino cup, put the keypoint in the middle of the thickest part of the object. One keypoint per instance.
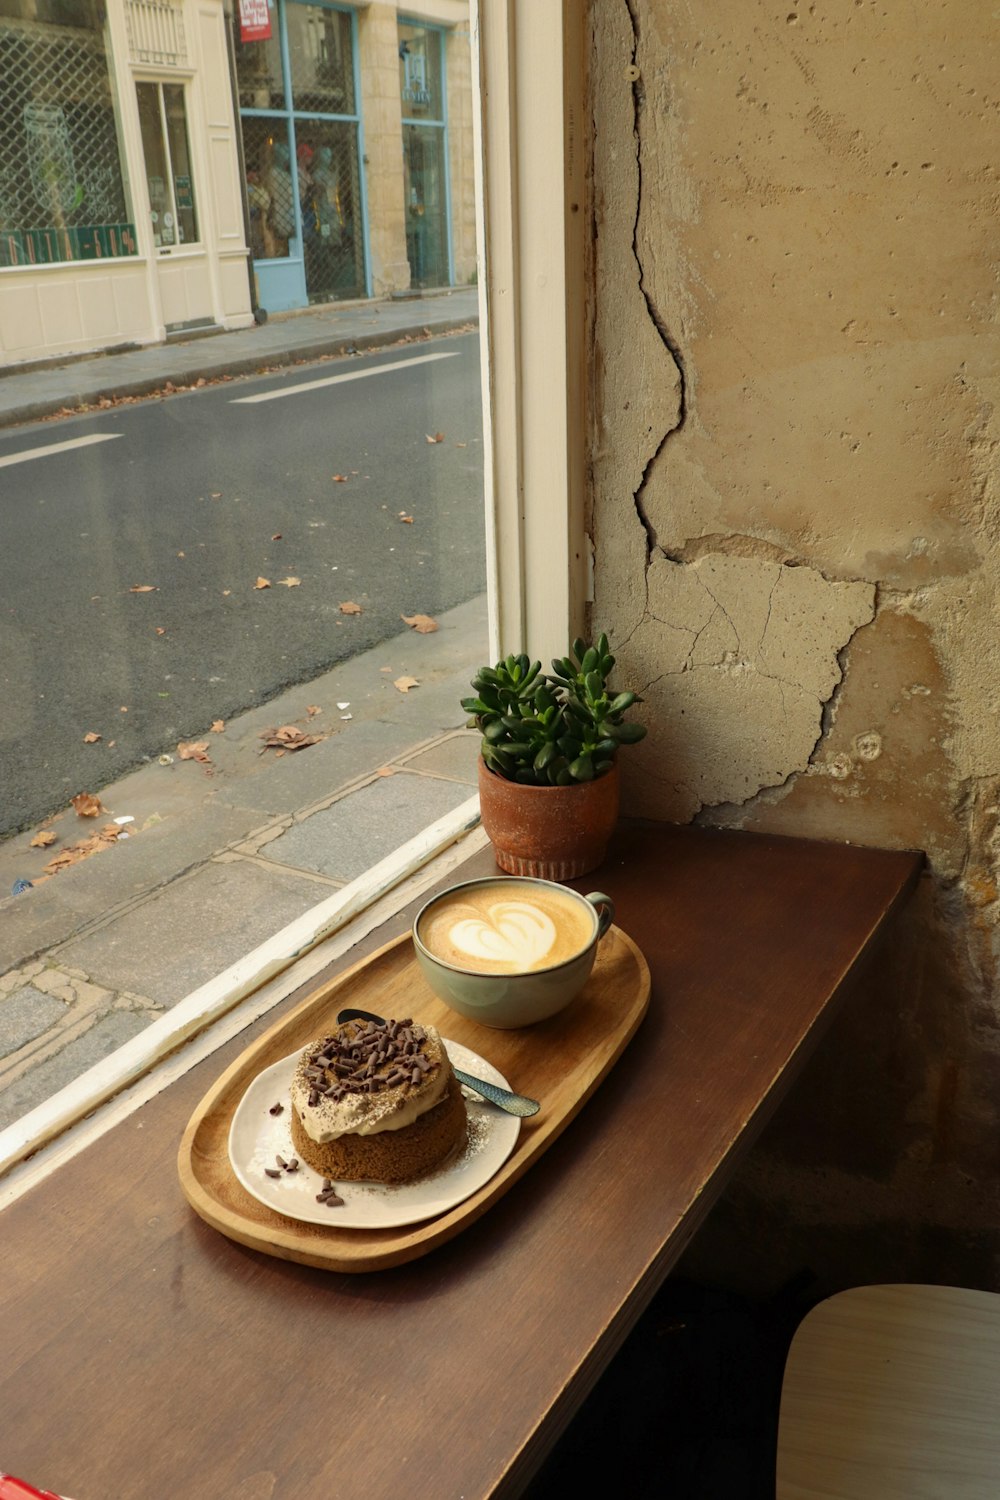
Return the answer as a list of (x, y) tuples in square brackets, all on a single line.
[(509, 951)]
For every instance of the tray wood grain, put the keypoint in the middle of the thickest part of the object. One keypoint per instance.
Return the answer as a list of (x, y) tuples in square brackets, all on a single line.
[(560, 1062)]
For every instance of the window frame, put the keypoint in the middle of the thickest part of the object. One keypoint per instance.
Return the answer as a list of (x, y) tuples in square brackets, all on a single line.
[(533, 212), (181, 81)]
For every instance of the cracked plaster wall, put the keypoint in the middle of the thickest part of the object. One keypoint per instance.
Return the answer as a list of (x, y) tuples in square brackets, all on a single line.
[(795, 519)]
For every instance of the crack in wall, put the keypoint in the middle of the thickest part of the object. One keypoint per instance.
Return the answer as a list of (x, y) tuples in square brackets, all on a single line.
[(670, 344)]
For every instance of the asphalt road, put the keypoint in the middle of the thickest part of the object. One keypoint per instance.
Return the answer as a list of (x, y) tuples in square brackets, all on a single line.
[(192, 499)]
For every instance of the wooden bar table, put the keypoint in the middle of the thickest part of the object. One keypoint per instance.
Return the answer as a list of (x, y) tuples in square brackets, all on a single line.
[(147, 1356)]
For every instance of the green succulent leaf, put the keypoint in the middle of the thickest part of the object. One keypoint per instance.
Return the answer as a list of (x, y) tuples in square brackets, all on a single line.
[(582, 769), (546, 755)]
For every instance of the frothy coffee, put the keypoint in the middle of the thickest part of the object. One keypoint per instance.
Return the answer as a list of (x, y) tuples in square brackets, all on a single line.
[(506, 927)]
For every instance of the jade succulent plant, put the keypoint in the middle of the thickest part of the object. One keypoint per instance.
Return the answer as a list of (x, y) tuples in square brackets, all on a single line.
[(552, 728)]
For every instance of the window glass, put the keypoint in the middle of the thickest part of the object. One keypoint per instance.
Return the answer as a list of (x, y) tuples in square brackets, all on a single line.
[(329, 181), (426, 205), (198, 584), (319, 51), (420, 72), (260, 81), (62, 187), (168, 163), (180, 161), (270, 193)]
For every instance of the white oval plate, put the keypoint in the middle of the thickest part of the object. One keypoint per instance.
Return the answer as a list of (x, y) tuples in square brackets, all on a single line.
[(256, 1137)]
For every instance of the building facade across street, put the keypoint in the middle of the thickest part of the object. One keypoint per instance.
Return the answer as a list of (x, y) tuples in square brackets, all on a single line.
[(170, 166)]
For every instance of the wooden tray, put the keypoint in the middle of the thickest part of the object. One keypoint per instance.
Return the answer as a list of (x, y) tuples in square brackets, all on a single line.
[(560, 1062)]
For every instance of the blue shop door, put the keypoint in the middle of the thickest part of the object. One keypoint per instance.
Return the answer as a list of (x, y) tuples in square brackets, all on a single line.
[(273, 193), (281, 284)]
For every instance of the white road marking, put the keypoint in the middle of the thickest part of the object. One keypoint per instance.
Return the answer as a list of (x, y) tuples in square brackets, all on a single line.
[(314, 385), (80, 442)]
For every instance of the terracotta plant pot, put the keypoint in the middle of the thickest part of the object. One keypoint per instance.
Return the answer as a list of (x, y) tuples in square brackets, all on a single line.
[(551, 832)]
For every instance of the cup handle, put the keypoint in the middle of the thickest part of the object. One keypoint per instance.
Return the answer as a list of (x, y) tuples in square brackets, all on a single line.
[(605, 911)]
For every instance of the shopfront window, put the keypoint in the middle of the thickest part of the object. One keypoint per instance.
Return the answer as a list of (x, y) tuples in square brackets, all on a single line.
[(270, 193), (425, 160), (303, 162), (163, 122), (63, 193)]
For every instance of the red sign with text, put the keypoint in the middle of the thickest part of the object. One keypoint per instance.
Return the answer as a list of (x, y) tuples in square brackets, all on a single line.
[(255, 20)]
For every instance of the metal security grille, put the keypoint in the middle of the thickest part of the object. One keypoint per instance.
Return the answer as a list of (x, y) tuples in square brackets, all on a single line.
[(156, 33), (61, 191), (332, 238)]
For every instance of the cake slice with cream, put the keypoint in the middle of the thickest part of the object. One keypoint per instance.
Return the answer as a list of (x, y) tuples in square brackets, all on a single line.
[(377, 1102)]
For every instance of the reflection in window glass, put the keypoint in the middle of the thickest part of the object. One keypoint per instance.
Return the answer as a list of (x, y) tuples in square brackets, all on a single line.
[(163, 124), (259, 69), (180, 160), (420, 72), (319, 50)]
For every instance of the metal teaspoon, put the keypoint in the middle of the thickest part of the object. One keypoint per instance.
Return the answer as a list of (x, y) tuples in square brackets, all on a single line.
[(514, 1104)]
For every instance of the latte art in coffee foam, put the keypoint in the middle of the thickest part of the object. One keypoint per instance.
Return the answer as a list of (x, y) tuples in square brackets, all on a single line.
[(506, 928), (514, 932)]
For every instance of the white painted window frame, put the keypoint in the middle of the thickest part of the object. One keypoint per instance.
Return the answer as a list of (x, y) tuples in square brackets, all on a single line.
[(532, 183)]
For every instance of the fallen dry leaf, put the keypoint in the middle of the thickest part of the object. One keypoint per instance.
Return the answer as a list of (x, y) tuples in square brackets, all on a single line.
[(406, 520), (90, 738), (437, 438), (262, 583), (73, 853), (226, 593), (339, 478), (405, 683), (291, 582), (123, 709), (44, 839), (218, 725), (313, 709), (87, 805), (194, 750), (288, 737), (160, 629), (144, 588), (276, 537), (180, 554), (350, 608), (422, 624)]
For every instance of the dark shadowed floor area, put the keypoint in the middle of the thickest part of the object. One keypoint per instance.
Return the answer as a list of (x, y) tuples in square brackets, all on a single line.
[(689, 1408)]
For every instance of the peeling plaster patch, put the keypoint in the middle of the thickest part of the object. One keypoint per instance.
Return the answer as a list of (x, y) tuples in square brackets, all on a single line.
[(736, 658)]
